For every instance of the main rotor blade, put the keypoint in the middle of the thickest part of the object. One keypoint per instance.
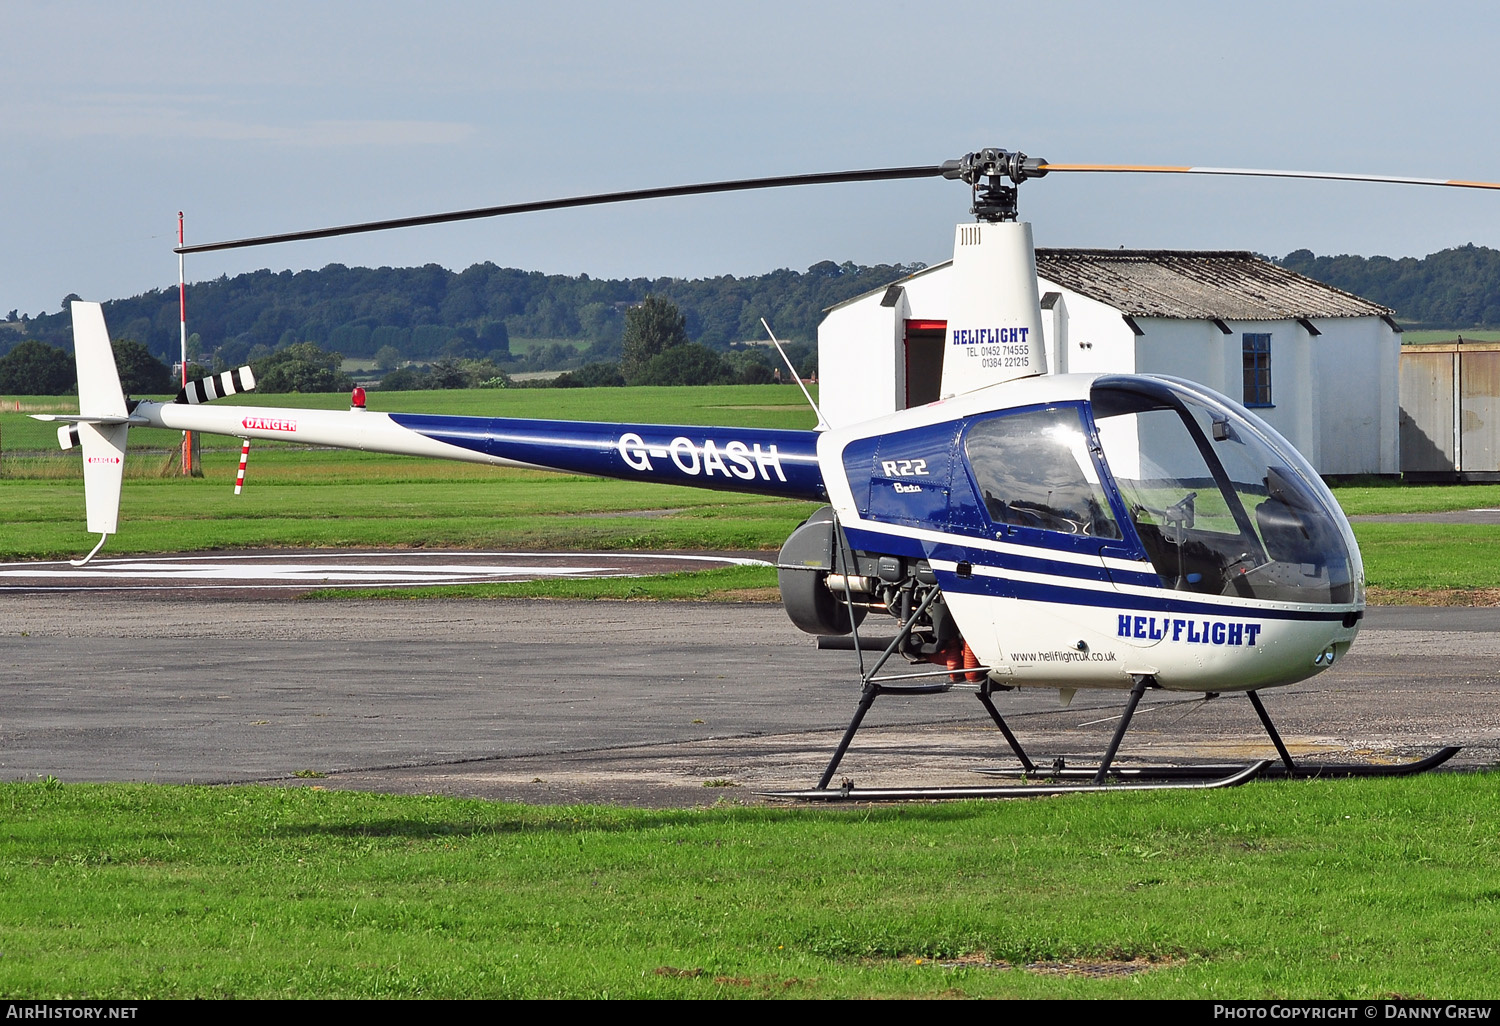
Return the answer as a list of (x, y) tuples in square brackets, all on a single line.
[(741, 185), (1254, 172)]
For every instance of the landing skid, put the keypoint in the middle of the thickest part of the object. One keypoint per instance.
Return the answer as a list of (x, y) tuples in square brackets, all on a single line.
[(1147, 778), (1040, 782), (850, 793), (1270, 770)]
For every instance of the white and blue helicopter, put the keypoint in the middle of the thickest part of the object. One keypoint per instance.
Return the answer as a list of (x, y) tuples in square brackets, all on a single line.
[(1025, 530)]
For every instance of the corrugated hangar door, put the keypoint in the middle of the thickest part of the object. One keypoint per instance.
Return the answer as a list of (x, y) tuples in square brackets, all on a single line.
[(1450, 411), (1428, 378), (1479, 414)]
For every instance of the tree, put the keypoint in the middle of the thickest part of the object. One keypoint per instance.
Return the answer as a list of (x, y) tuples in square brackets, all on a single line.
[(494, 337), (405, 379), (651, 328), (591, 375), (140, 372), (304, 367), (387, 358), (35, 368), (447, 373), (689, 364), (457, 348)]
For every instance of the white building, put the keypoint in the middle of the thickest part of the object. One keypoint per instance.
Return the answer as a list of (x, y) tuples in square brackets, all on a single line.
[(1321, 365)]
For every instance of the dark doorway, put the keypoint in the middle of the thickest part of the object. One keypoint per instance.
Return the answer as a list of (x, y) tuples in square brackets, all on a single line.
[(924, 361)]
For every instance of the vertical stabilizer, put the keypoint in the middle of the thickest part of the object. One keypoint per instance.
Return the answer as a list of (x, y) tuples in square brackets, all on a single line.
[(995, 319), (101, 399), (99, 391)]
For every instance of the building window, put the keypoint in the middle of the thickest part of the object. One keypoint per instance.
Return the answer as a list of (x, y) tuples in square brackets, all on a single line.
[(1257, 349)]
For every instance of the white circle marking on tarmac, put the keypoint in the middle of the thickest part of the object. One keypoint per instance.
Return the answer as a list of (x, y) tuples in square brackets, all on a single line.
[(363, 570)]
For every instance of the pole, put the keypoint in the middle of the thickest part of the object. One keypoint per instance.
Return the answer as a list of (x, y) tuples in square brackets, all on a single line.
[(239, 481), (187, 436)]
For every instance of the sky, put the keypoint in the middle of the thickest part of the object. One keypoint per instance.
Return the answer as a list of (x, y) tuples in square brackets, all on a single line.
[(266, 117)]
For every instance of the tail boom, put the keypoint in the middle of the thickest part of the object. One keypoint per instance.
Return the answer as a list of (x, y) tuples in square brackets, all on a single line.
[(757, 460)]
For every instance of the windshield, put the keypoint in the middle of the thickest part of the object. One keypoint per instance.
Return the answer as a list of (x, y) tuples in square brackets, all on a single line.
[(1222, 504)]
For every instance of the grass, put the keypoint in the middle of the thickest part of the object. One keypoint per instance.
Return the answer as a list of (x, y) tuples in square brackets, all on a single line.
[(1411, 557), (1299, 889), (1424, 563), (1426, 336), (1388, 497), (350, 500), (735, 405), (297, 497)]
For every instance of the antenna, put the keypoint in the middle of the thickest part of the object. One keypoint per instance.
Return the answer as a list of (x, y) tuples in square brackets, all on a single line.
[(822, 424)]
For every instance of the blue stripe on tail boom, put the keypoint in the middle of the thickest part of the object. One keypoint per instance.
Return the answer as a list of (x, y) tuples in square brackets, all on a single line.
[(760, 460)]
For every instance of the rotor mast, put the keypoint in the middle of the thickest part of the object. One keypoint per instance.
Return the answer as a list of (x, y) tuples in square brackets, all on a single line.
[(994, 331)]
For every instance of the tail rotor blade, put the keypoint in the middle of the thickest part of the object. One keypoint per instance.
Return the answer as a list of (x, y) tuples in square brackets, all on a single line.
[(217, 386)]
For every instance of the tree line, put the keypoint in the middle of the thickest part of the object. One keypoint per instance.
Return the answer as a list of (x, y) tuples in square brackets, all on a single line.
[(1455, 288), (425, 313), (655, 350), (457, 327)]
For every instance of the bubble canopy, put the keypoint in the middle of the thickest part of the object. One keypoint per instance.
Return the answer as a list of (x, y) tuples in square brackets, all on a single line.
[(1221, 503)]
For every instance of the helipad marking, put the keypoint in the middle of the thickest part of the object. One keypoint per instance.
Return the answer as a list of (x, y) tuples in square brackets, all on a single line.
[(358, 570)]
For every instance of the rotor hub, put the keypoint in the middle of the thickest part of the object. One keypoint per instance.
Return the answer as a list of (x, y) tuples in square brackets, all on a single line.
[(987, 172)]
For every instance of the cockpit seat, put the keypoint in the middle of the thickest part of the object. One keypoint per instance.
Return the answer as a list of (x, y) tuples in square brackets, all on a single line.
[(1286, 534)]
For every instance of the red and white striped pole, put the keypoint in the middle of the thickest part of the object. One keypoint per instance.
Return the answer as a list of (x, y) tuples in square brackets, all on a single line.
[(187, 436), (239, 481)]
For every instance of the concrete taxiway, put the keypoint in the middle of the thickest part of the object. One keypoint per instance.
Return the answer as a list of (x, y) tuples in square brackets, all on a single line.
[(642, 703)]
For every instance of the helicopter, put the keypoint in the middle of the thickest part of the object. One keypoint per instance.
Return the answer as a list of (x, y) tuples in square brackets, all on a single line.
[(1025, 530)]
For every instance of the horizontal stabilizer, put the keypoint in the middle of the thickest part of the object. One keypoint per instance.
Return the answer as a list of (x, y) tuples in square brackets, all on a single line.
[(75, 418), (217, 386)]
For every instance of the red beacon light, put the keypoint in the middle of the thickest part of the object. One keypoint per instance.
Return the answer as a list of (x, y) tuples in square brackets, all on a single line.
[(357, 399)]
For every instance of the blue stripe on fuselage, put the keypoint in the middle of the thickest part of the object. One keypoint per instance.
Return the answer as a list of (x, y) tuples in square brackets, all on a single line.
[(1001, 587), (761, 460), (955, 550), (1062, 591)]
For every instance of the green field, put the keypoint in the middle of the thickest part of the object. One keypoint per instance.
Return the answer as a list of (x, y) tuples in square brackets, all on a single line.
[(298, 497), (1427, 336), (1355, 889)]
